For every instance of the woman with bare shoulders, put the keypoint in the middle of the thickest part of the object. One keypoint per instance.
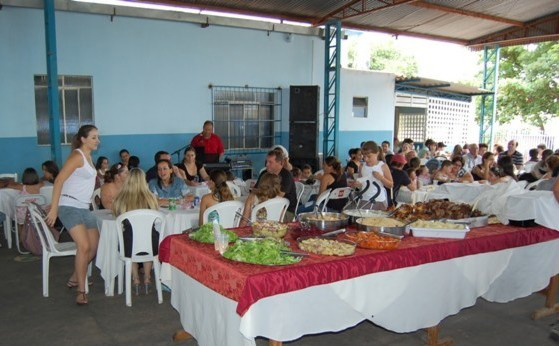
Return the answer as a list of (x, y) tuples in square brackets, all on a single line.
[(71, 197)]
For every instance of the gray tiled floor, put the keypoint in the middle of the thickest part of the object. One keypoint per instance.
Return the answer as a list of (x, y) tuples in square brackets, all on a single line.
[(26, 318)]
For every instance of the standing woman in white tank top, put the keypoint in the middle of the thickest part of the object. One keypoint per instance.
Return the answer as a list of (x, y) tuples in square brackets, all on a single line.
[(71, 196)]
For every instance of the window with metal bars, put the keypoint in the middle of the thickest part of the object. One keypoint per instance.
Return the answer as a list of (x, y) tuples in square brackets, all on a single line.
[(75, 99), (247, 118)]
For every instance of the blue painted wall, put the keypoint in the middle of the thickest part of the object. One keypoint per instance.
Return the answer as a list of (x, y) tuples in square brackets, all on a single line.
[(151, 77)]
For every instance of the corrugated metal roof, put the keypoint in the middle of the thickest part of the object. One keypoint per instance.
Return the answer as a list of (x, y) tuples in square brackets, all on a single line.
[(435, 84), (468, 22)]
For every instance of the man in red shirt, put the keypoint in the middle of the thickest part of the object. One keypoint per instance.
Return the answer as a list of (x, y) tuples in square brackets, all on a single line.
[(210, 143)]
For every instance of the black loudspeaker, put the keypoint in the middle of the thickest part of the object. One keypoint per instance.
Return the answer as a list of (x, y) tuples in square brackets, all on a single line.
[(303, 123), (304, 103)]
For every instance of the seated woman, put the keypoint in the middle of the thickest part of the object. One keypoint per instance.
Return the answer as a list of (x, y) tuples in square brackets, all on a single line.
[(482, 172), (505, 171), (444, 174), (190, 171), (167, 184), (30, 185), (220, 192), (136, 195), (333, 178), (50, 171), (114, 180), (461, 175), (269, 187), (354, 163), (548, 180), (102, 165), (423, 176)]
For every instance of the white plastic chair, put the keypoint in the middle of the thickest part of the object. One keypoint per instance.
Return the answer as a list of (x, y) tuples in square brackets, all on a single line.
[(339, 193), (141, 222), (47, 192), (299, 190), (250, 183), (275, 209), (51, 248), (96, 195), (533, 185), (322, 198), (9, 176), (21, 202), (235, 190), (227, 212)]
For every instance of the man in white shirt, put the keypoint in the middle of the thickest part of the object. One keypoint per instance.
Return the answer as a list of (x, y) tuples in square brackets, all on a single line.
[(472, 158)]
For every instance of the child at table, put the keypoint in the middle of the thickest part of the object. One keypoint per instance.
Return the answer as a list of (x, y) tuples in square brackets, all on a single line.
[(423, 176), (134, 195), (220, 192)]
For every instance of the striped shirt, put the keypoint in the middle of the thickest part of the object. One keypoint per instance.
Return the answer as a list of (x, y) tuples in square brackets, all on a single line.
[(517, 158)]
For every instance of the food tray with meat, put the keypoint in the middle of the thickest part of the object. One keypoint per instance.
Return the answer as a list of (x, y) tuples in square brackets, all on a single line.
[(435, 210)]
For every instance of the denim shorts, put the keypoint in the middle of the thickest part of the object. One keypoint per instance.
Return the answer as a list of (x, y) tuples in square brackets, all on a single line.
[(71, 217)]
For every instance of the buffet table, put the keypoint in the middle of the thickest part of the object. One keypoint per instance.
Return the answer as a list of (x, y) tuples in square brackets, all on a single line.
[(108, 260), (540, 206), (413, 287)]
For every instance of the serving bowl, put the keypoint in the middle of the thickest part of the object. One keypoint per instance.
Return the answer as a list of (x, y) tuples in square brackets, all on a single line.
[(325, 222)]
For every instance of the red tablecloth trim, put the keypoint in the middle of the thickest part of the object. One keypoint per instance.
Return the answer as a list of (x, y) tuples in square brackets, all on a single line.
[(246, 283)]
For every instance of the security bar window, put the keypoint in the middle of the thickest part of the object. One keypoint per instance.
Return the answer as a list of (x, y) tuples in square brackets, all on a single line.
[(75, 99), (247, 118)]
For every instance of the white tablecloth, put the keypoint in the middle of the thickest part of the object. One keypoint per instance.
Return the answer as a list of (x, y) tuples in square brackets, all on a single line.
[(423, 194), (540, 206), (107, 253), (402, 300), (462, 192)]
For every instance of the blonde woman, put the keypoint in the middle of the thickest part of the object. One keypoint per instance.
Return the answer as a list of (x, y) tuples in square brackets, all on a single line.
[(220, 193), (269, 187), (136, 195)]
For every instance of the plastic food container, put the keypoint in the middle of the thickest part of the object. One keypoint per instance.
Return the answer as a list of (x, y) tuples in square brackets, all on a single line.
[(439, 232)]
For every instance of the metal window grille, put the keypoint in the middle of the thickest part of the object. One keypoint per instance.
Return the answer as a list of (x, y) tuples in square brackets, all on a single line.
[(247, 119), (75, 97)]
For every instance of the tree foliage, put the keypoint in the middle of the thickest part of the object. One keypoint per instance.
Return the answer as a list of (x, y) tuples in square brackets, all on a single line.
[(389, 59), (384, 57), (529, 83)]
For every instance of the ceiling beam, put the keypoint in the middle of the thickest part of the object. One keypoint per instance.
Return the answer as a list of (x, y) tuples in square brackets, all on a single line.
[(258, 13), (466, 13), (405, 33), (349, 10), (532, 32)]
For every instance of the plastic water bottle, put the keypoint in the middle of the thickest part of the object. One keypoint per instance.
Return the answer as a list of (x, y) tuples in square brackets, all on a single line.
[(172, 204), (217, 233)]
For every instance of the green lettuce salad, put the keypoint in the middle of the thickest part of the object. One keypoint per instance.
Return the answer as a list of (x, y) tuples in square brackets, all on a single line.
[(265, 251), (206, 234)]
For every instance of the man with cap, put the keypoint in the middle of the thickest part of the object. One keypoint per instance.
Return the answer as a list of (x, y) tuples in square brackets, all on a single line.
[(400, 177), (286, 164)]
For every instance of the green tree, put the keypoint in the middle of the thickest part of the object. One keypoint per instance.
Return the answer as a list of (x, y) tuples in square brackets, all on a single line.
[(529, 83), (389, 59)]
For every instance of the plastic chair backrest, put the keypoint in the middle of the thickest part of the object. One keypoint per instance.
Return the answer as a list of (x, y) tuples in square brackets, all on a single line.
[(47, 192), (47, 240), (235, 190), (141, 221), (96, 195), (8, 176), (533, 185), (299, 187), (323, 198), (275, 209), (21, 200), (227, 212), (250, 183)]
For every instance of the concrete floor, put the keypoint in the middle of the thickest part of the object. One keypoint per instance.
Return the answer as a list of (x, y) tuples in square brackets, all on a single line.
[(27, 318)]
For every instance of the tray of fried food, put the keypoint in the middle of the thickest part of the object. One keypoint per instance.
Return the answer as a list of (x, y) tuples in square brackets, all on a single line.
[(326, 247), (373, 240), (436, 209)]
